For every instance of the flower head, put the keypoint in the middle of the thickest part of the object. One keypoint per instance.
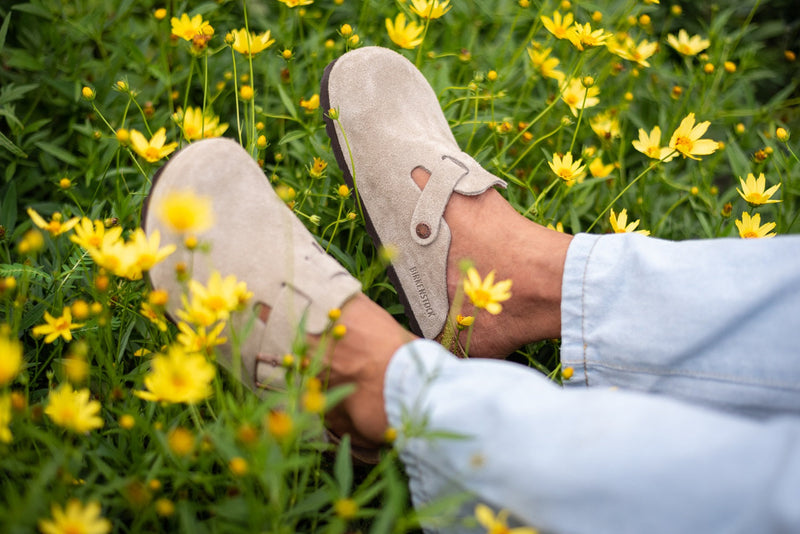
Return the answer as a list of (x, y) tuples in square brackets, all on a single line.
[(576, 96), (145, 252), (750, 227), (154, 149), (249, 44), (73, 410), (605, 126), (498, 524), (430, 9), (687, 139), (221, 296), (55, 226), (650, 145), (545, 64), (753, 190), (619, 223), (75, 518), (598, 169), (404, 35), (200, 339), (56, 327), (178, 377), (184, 212), (295, 3), (686, 45), (196, 125), (485, 294), (188, 28), (628, 49), (558, 26), (582, 36), (566, 169), (10, 357), (91, 235), (311, 105)]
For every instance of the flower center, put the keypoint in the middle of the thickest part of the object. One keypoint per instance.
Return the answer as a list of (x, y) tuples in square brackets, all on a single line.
[(152, 153), (750, 233), (684, 145)]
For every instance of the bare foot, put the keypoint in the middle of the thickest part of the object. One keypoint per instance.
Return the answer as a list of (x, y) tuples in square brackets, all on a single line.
[(488, 231), (361, 358)]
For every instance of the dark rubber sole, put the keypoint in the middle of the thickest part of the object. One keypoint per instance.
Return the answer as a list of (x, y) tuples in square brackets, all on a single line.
[(330, 129)]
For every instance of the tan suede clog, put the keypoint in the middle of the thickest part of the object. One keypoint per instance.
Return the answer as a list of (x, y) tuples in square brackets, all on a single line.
[(388, 122), (259, 240)]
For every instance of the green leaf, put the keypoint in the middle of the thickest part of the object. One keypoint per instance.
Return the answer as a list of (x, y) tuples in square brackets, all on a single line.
[(4, 31), (293, 136), (343, 469), (8, 210), (287, 102), (6, 143), (58, 153)]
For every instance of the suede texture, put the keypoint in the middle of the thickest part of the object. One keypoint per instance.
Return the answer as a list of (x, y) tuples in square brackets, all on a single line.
[(259, 240), (391, 120)]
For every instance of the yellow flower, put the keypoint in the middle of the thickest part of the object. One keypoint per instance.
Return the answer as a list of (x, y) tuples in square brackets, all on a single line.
[(404, 35), (145, 251), (310, 105), (753, 190), (200, 340), (56, 327), (92, 234), (558, 26), (345, 508), (54, 226), (498, 524), (750, 227), (279, 424), (221, 296), (317, 167), (485, 294), (545, 64), (687, 139), (186, 213), (73, 410), (576, 96), (249, 44), (75, 518), (154, 149), (463, 322), (628, 49), (178, 377), (5, 418), (598, 169), (10, 358), (582, 35), (180, 441), (238, 466), (620, 223), (687, 46), (187, 28), (605, 126), (566, 169), (650, 145), (153, 316), (295, 3), (430, 9), (195, 125)]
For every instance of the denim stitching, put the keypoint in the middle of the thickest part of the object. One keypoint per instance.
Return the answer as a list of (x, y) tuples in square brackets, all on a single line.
[(583, 313)]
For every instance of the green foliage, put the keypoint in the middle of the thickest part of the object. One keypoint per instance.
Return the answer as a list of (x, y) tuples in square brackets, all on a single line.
[(502, 109)]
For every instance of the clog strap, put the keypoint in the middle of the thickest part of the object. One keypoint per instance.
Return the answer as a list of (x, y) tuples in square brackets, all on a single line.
[(450, 173)]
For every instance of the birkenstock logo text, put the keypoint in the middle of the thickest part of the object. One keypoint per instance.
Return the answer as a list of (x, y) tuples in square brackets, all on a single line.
[(423, 294)]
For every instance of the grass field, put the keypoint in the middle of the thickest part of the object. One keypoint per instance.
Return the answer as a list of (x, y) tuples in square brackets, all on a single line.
[(602, 116)]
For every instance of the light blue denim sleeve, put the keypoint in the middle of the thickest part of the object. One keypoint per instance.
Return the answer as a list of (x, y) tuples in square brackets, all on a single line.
[(597, 460), (713, 321)]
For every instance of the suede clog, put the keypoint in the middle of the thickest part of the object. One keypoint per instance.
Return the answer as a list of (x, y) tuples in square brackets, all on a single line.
[(389, 123), (259, 240)]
